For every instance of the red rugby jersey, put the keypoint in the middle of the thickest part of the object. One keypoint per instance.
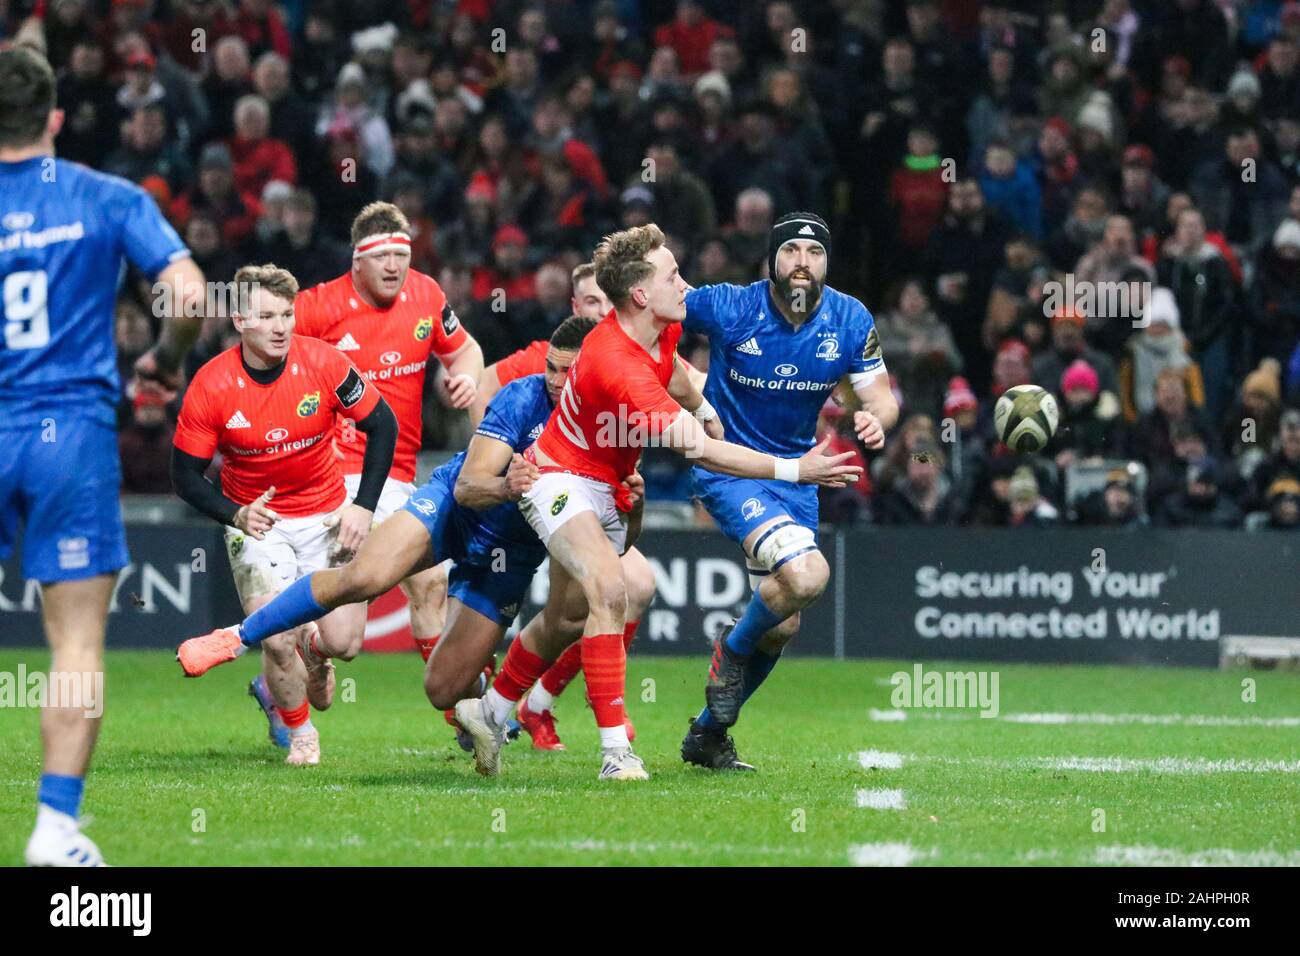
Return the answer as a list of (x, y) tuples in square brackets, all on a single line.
[(390, 346), (614, 400), (277, 434)]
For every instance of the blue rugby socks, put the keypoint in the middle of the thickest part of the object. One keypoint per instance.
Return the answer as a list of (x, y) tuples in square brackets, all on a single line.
[(61, 792), (749, 630), (757, 669), (292, 607)]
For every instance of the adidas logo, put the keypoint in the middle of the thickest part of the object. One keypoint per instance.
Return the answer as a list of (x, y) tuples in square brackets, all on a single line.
[(807, 231), (347, 344), (238, 420), (750, 347)]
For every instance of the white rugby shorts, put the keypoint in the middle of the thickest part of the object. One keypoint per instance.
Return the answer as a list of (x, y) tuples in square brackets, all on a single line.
[(293, 548), (558, 496)]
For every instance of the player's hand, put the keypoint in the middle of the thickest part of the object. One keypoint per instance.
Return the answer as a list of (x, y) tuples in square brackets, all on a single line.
[(353, 524), (257, 519), (870, 432), (636, 485), (713, 428), (461, 390), (520, 476), (150, 376), (818, 468)]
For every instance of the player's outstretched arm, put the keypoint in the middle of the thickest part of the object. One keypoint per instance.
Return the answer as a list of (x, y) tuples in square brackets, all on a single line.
[(687, 436), (161, 365), (493, 473), (686, 393)]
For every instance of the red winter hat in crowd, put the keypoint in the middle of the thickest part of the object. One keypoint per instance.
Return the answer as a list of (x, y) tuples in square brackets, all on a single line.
[(157, 187), (481, 187), (959, 396), (507, 234), (1060, 125), (1019, 348), (627, 67), (146, 398), (1139, 154), (1080, 375)]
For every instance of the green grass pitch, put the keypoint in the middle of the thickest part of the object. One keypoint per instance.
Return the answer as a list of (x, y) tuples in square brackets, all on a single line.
[(1173, 764)]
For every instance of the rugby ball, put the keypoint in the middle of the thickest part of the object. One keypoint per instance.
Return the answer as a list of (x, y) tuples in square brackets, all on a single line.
[(1026, 417)]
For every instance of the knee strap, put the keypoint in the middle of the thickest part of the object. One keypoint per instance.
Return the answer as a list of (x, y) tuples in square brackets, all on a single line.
[(778, 544)]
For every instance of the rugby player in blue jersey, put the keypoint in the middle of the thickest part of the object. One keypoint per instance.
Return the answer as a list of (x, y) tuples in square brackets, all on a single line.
[(64, 231), (777, 348)]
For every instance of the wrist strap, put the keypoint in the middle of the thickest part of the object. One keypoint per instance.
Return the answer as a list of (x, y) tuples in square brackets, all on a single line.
[(705, 413), (787, 469)]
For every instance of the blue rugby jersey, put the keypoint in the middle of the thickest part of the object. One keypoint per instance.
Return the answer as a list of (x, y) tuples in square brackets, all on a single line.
[(515, 416), (64, 232), (767, 380)]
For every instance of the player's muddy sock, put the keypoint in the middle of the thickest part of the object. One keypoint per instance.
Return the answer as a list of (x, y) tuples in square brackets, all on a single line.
[(604, 662), (425, 645), (61, 792), (749, 630), (756, 671), (296, 718), (519, 671), (629, 634), (539, 698), (559, 674), (292, 607), (705, 722)]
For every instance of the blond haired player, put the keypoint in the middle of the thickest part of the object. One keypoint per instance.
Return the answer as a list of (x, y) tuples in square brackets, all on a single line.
[(391, 321), (625, 390), (268, 405)]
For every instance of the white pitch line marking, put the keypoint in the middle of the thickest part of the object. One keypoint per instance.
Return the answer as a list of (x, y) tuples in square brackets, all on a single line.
[(1056, 719), (880, 760), (884, 854), (881, 800), (1192, 765), (1161, 856), (887, 715), (1163, 720), (1170, 765)]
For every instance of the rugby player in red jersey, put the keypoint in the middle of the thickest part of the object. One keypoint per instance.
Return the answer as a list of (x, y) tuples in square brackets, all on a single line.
[(268, 405), (625, 390), (536, 713), (391, 320)]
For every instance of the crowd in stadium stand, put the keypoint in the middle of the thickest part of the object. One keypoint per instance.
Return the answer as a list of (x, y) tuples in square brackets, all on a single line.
[(973, 158)]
